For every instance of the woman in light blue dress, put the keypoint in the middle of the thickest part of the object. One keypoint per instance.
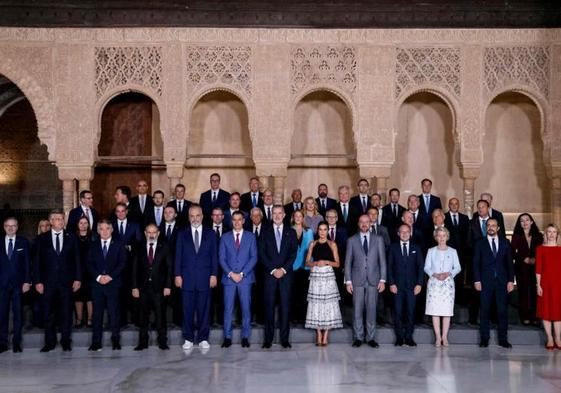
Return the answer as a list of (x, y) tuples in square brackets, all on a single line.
[(305, 236), (441, 265)]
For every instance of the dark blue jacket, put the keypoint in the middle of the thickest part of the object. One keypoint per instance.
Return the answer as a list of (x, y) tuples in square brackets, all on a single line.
[(405, 272), (112, 265), (487, 267), (52, 269), (268, 253), (17, 270), (196, 268)]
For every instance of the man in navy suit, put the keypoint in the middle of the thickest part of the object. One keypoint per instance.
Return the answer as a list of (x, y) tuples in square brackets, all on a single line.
[(428, 202), (323, 201), (151, 284), (416, 235), (253, 198), (293, 205), (169, 230), (84, 210), (141, 204), (494, 213), (237, 257), (268, 205), (338, 234), (277, 249), (391, 214), (196, 268), (233, 206), (123, 195), (181, 205), (155, 213), (493, 275), (129, 233), (361, 202), (58, 273), (15, 280), (106, 261), (347, 214), (215, 197), (405, 278), (458, 226)]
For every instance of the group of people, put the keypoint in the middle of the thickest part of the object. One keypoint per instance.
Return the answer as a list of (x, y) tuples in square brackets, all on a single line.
[(306, 257)]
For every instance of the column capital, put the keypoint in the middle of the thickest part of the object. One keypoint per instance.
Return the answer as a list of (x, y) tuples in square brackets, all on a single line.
[(371, 170), (174, 169), (71, 171), (271, 168), (469, 171)]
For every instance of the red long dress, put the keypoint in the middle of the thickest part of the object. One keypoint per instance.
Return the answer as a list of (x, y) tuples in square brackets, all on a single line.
[(548, 265)]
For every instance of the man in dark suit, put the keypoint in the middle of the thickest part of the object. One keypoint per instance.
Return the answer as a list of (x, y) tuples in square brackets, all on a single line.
[(169, 231), (293, 205), (142, 203), (237, 257), (361, 202), (428, 202), (253, 198), (215, 197), (377, 229), (391, 214), (216, 314), (123, 195), (58, 273), (376, 201), (323, 201), (415, 234), (384, 300), (15, 280), (405, 278), (106, 260), (458, 226), (277, 250), (181, 205), (268, 205), (493, 275), (151, 284), (494, 213), (84, 210), (196, 268), (155, 213), (348, 215), (421, 223), (233, 206), (338, 234)]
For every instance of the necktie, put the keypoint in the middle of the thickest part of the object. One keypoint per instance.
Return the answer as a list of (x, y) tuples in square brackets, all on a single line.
[(427, 202), (269, 213), (180, 208), (57, 243), (278, 238), (323, 204), (237, 241), (168, 231), (121, 229), (455, 220), (404, 249), (87, 215), (494, 247), (151, 253), (414, 217), (364, 204), (394, 208), (217, 230), (484, 227), (345, 212), (374, 229), (365, 245), (254, 200), (158, 216), (104, 249), (196, 241), (332, 234), (256, 231), (214, 196), (10, 248), (142, 203)]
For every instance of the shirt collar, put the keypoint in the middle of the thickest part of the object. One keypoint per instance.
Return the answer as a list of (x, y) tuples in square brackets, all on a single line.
[(106, 240)]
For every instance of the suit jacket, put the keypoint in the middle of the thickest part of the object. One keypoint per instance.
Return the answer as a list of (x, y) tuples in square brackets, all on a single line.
[(268, 253), (183, 216), (357, 203), (16, 270), (458, 234), (150, 215), (248, 226), (405, 271), (112, 265), (487, 267), (132, 236), (289, 209), (498, 215), (352, 218), (134, 206), (390, 221), (330, 204), (242, 260), (227, 222), (246, 204), (75, 215), (383, 232), (173, 238), (222, 201), (196, 267), (341, 237), (365, 269), (52, 269), (434, 203), (474, 233), (156, 275)]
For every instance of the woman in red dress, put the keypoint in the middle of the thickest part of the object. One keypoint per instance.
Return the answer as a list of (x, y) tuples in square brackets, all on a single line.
[(548, 280)]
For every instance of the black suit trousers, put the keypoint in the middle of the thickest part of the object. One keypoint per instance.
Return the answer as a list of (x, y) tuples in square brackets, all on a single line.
[(493, 290), (283, 287), (103, 295), (404, 313), (57, 298), (152, 300)]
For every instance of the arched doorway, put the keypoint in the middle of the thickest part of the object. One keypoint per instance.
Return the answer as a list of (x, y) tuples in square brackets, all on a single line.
[(29, 182), (130, 147), (219, 141), (513, 168), (425, 148), (323, 147)]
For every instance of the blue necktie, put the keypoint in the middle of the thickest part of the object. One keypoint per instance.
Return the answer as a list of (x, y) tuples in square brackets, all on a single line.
[(345, 213), (364, 204), (254, 200), (484, 227), (10, 248), (278, 238), (365, 245), (158, 217), (494, 247), (57, 244), (427, 203), (168, 232), (105, 249), (121, 230), (214, 196), (404, 249)]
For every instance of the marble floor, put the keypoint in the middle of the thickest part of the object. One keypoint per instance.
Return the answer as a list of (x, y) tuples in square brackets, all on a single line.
[(304, 368)]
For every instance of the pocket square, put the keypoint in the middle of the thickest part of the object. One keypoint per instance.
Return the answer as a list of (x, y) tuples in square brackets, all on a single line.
[(19, 249), (413, 252)]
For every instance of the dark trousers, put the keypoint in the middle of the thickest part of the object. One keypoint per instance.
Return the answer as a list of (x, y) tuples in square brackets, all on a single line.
[(404, 313), (284, 287), (258, 289), (217, 303), (104, 296), (526, 286), (176, 303), (196, 303), (13, 295), (493, 290), (300, 295), (152, 300), (57, 297)]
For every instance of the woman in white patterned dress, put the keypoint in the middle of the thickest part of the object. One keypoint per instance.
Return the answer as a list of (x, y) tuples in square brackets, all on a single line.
[(323, 311), (441, 265)]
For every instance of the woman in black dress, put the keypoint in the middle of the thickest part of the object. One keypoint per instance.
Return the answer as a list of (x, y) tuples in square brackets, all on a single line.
[(84, 294)]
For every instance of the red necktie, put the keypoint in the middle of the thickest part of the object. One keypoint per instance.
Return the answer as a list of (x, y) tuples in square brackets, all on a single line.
[(237, 241), (151, 253)]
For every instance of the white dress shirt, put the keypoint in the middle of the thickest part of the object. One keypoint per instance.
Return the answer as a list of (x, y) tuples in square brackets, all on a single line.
[(60, 239), (7, 241), (199, 229), (124, 225)]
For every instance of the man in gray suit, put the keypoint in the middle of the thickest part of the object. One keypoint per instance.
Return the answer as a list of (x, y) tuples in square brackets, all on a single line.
[(365, 277)]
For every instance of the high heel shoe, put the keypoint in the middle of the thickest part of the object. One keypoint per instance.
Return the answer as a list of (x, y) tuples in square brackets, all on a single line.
[(550, 347)]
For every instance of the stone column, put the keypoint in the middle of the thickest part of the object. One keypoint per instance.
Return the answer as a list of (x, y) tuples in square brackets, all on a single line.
[(68, 173), (382, 188), (379, 176), (278, 189), (83, 184), (556, 200), (175, 174), (469, 175), (263, 183), (68, 191)]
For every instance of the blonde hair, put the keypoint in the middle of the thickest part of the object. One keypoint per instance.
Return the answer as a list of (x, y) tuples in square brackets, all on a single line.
[(310, 198)]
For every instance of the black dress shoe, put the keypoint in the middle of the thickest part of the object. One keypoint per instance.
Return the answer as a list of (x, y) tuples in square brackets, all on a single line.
[(66, 346), (245, 343), (410, 343), (373, 344), (3, 348), (95, 347), (163, 346), (141, 347), (227, 343), (483, 343), (357, 343), (266, 345), (398, 342), (116, 346), (505, 344), (286, 344), (48, 348), (16, 348)]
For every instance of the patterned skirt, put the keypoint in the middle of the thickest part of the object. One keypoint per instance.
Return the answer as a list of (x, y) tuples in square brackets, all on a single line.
[(323, 300), (440, 297)]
